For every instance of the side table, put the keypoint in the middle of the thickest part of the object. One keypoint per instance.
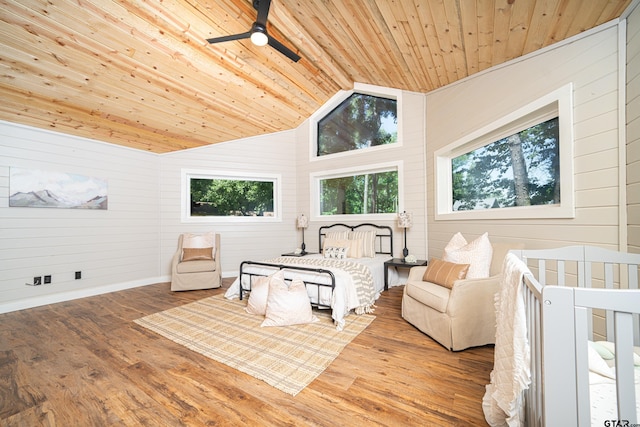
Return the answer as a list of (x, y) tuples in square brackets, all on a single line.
[(399, 263)]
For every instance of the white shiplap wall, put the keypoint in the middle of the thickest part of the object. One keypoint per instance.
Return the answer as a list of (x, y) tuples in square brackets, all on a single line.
[(114, 248), (633, 129), (589, 62), (412, 155), (268, 154)]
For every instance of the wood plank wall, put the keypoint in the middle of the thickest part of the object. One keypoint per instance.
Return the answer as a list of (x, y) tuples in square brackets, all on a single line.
[(114, 248), (269, 154), (633, 130), (411, 154), (591, 64)]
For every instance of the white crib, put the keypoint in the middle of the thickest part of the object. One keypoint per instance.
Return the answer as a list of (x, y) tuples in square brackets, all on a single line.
[(577, 294)]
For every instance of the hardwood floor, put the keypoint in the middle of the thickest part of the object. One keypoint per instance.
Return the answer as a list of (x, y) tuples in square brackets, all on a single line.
[(85, 363)]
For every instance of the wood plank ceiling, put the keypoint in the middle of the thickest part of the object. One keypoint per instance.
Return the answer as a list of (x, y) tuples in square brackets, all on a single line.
[(139, 73)]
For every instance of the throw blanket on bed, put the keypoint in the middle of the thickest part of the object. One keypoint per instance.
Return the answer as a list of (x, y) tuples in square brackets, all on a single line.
[(361, 277), (503, 402)]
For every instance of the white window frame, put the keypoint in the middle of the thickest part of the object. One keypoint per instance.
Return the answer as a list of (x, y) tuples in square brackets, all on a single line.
[(558, 103), (336, 100), (316, 177), (188, 174)]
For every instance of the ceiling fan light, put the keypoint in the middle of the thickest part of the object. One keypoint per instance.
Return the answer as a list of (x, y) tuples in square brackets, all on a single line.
[(259, 38)]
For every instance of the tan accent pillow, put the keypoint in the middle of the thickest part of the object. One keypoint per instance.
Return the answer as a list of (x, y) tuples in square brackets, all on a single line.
[(288, 305), (477, 254), (204, 240), (444, 273), (257, 303), (197, 254)]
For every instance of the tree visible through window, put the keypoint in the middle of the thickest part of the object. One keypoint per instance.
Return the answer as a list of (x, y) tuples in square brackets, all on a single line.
[(360, 121), (231, 197), (522, 169), (368, 193)]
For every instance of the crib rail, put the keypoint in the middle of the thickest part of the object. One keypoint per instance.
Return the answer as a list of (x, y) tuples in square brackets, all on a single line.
[(559, 325)]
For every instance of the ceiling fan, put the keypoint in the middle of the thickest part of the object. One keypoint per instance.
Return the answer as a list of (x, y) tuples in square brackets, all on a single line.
[(258, 33)]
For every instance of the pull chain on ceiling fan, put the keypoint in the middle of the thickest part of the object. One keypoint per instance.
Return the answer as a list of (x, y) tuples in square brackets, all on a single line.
[(258, 33)]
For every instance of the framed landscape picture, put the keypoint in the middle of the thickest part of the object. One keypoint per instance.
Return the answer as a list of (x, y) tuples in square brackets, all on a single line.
[(32, 188)]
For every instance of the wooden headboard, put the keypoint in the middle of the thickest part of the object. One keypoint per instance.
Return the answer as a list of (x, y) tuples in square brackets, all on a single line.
[(384, 235)]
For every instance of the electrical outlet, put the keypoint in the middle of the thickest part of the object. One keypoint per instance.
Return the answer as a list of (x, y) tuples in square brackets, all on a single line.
[(37, 280), (78, 275), (47, 279)]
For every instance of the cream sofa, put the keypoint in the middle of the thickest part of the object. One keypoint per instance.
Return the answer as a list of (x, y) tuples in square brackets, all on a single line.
[(457, 318), (200, 274)]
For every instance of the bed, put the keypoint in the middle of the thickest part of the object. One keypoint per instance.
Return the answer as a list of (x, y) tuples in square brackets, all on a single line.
[(351, 280), (576, 329)]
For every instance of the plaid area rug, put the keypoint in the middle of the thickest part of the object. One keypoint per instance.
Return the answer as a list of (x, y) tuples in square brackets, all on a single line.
[(288, 358)]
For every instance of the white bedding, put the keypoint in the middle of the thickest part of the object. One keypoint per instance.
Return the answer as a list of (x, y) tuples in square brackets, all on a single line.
[(344, 298), (602, 397)]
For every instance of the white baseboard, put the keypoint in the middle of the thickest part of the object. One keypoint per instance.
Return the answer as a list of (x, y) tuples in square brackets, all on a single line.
[(80, 293)]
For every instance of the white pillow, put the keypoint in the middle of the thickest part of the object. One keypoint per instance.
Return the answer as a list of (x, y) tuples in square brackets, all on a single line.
[(288, 305), (205, 240), (335, 252), (335, 243), (477, 254), (368, 242), (257, 303)]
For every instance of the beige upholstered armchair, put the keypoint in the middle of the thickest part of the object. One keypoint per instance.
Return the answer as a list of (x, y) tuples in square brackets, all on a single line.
[(196, 263), (460, 317)]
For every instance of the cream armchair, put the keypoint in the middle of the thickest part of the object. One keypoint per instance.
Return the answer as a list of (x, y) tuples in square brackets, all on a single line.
[(460, 317), (198, 273)]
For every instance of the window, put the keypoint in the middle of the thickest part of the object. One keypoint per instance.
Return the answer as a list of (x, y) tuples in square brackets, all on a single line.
[(517, 167), (360, 121), (372, 191), (522, 169), (229, 197), (366, 119)]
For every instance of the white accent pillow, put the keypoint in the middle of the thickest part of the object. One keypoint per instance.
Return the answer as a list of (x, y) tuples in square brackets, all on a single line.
[(368, 242), (257, 303), (205, 240), (477, 254), (288, 305), (335, 252), (335, 243)]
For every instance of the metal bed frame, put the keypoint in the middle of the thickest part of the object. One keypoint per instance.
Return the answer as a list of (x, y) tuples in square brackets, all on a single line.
[(383, 232)]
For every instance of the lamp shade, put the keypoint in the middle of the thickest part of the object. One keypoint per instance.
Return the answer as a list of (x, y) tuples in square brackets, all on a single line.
[(303, 221), (405, 220)]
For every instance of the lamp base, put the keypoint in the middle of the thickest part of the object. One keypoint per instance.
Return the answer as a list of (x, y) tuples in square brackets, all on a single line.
[(405, 252)]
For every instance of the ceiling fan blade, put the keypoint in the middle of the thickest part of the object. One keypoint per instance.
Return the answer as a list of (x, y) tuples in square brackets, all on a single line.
[(230, 38), (283, 49), (263, 11)]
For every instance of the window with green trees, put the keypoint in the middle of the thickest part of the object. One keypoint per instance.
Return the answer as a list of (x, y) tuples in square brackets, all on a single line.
[(360, 121), (230, 196), (362, 193), (522, 169)]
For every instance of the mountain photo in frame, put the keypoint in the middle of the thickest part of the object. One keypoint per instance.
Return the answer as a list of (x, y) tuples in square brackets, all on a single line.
[(30, 188)]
